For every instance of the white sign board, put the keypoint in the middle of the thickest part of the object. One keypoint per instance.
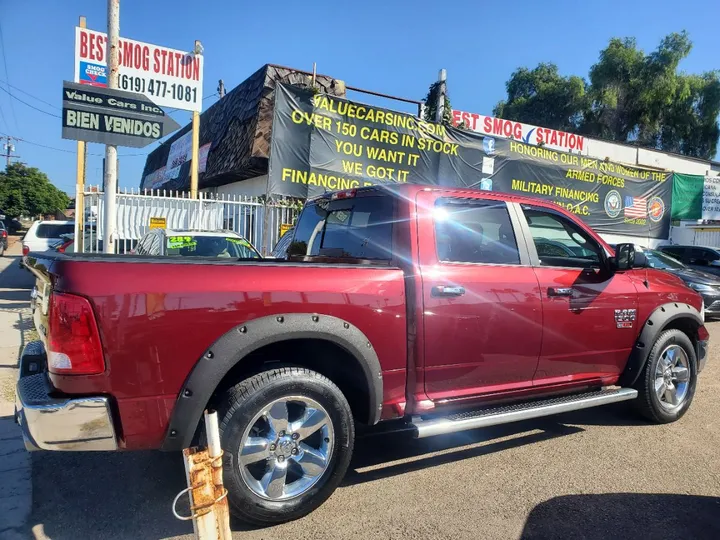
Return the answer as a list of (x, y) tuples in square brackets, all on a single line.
[(170, 78), (711, 198), (527, 133), (181, 151)]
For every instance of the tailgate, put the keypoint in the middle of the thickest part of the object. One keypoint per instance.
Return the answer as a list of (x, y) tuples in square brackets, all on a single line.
[(42, 268)]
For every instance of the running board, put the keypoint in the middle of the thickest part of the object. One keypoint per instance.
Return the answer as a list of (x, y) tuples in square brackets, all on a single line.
[(516, 412)]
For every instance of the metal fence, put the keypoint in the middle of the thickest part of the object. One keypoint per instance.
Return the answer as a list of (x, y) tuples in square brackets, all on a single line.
[(258, 221)]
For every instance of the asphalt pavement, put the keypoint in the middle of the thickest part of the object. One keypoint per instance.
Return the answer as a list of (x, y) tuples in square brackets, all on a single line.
[(592, 474)]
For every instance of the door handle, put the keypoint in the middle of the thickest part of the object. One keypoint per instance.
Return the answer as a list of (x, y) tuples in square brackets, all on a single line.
[(560, 291), (444, 290)]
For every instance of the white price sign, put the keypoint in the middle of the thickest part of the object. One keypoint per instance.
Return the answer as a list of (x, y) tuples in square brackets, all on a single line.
[(170, 78)]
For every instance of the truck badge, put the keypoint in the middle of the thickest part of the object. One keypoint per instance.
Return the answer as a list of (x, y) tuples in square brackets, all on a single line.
[(625, 318)]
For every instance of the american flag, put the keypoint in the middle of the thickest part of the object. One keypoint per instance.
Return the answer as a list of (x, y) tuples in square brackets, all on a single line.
[(635, 207)]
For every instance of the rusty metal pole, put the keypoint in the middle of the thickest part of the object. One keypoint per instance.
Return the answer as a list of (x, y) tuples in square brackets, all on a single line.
[(222, 510), (198, 474)]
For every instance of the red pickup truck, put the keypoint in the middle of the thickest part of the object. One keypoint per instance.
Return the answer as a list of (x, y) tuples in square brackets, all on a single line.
[(439, 308)]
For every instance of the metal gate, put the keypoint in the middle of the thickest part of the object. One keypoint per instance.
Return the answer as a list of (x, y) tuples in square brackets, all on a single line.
[(252, 217)]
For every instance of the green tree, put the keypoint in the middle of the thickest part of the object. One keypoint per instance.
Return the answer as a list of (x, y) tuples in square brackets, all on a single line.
[(27, 191), (630, 97), (543, 97), (431, 104)]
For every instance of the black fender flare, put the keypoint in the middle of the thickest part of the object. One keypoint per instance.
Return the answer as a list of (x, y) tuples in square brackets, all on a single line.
[(245, 338), (654, 325)]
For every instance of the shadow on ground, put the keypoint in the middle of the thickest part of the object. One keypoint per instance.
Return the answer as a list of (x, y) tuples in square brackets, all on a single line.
[(625, 515), (128, 495)]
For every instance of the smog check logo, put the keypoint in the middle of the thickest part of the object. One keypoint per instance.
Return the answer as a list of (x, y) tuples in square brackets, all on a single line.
[(656, 209), (613, 203), (93, 74)]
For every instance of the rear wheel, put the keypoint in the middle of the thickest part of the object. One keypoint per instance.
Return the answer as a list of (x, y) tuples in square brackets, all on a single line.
[(667, 384), (287, 436)]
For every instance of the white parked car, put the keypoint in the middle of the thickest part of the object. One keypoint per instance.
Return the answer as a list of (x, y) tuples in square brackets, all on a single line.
[(186, 243), (43, 235)]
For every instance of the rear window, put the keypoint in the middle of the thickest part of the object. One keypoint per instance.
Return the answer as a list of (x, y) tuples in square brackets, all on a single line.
[(356, 228), (53, 230)]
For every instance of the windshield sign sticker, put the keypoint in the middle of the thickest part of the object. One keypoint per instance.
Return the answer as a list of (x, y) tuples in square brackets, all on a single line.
[(179, 242)]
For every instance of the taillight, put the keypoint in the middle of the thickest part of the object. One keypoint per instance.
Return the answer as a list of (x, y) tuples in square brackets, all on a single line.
[(4, 234), (26, 250), (67, 244), (74, 346)]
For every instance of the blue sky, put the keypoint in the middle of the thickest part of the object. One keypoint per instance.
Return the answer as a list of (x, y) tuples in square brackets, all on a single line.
[(391, 46)]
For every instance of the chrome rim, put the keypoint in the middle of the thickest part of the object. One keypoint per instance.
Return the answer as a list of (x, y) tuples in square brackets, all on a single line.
[(286, 448), (672, 377)]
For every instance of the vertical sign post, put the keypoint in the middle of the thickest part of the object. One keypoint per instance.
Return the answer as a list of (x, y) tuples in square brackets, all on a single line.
[(80, 186), (194, 165), (113, 57)]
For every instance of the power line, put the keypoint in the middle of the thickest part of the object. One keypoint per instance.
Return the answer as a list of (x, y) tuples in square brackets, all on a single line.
[(30, 95), (28, 104), (65, 150), (7, 76)]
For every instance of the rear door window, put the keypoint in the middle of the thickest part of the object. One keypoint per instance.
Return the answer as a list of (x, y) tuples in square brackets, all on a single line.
[(53, 230), (474, 232), (354, 228), (703, 256)]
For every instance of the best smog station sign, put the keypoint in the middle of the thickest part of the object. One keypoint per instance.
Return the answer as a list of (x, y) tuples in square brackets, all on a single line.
[(168, 77), (527, 133), (106, 116), (321, 142)]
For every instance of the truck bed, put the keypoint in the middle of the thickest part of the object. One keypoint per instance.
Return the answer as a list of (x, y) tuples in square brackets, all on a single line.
[(150, 310)]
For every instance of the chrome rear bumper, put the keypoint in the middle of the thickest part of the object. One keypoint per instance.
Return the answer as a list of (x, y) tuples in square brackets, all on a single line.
[(59, 423)]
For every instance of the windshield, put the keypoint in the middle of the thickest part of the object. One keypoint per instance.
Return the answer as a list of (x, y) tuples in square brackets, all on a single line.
[(662, 261), (196, 245)]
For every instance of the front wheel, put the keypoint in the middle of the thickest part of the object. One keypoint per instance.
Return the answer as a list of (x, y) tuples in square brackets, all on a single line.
[(287, 436), (667, 384)]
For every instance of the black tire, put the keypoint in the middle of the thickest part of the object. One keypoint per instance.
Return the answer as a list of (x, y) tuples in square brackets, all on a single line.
[(239, 407), (648, 403)]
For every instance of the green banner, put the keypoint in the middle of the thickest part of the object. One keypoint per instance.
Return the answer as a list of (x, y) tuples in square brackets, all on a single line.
[(687, 196)]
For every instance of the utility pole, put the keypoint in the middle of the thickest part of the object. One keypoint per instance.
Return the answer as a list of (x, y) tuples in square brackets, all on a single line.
[(110, 210), (9, 149), (80, 186), (440, 108), (195, 149)]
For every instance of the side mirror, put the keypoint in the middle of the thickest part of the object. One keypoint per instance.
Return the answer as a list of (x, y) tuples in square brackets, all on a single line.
[(626, 257)]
